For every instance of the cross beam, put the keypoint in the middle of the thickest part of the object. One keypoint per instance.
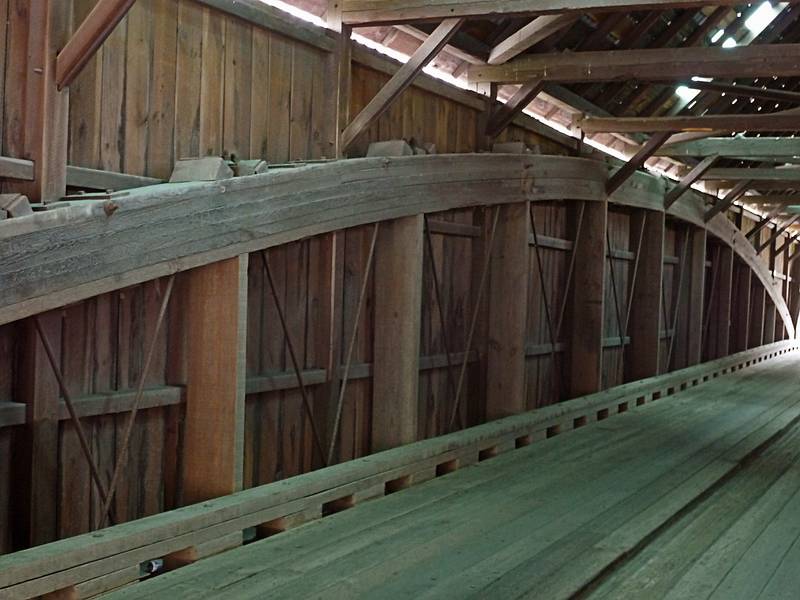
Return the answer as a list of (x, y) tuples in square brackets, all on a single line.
[(747, 91), (781, 121), (657, 64), (735, 147), (364, 12), (533, 33), (739, 174)]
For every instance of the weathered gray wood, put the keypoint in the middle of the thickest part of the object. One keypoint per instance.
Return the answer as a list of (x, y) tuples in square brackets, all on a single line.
[(95, 179), (642, 355), (208, 168), (53, 258), (591, 511), (396, 11), (755, 174), (16, 168), (145, 233), (651, 64), (735, 147), (530, 35), (779, 121)]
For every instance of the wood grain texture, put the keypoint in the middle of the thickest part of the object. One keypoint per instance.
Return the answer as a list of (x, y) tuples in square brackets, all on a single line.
[(214, 435), (396, 341)]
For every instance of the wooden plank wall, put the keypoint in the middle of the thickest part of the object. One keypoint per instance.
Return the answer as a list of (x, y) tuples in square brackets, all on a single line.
[(177, 79)]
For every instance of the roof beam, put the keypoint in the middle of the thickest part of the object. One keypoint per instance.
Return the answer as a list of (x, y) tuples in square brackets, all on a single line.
[(403, 78), (778, 199), (688, 181), (629, 168), (747, 91), (657, 64), (363, 12), (533, 33), (91, 34), (782, 121), (735, 147), (739, 174)]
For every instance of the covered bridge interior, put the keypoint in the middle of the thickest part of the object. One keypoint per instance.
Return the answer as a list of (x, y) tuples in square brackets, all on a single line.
[(399, 299)]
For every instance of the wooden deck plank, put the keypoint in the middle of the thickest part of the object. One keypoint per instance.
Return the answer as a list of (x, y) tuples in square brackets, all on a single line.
[(664, 566), (500, 533)]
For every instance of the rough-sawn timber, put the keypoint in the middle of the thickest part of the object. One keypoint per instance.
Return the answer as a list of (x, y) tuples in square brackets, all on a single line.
[(57, 257)]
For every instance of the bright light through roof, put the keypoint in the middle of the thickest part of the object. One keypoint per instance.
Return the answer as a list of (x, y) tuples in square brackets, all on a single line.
[(729, 43), (717, 36), (686, 93), (761, 18)]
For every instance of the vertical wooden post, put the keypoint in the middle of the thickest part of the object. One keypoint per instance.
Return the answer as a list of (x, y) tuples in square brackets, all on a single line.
[(343, 64), (508, 313), (769, 321), (398, 315), (794, 294), (36, 466), (689, 340), (641, 355), (475, 393), (719, 326), (586, 319), (47, 109), (740, 310), (757, 301), (215, 308)]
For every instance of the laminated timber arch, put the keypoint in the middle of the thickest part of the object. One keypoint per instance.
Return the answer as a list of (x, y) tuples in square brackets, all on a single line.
[(63, 256)]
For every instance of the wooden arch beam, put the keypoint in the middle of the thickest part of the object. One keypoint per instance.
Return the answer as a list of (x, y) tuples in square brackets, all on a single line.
[(201, 223)]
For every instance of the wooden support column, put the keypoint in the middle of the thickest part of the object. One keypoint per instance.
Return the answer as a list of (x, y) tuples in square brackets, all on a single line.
[(718, 342), (642, 354), (769, 322), (46, 108), (586, 319), (689, 329), (508, 313), (36, 466), (740, 309), (757, 301), (793, 270), (215, 305), (398, 315)]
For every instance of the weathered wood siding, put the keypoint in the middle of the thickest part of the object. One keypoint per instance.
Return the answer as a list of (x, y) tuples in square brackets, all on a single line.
[(177, 79)]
